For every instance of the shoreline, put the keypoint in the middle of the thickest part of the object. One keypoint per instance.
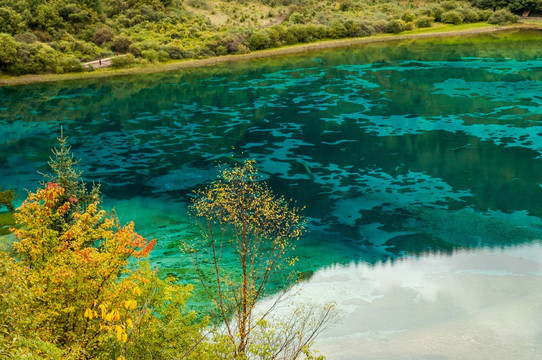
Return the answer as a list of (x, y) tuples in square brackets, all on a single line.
[(268, 53)]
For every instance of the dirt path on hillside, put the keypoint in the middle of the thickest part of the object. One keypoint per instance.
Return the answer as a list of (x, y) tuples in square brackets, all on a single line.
[(100, 63)]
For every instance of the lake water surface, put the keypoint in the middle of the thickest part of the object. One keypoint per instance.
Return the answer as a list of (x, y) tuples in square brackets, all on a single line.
[(419, 163)]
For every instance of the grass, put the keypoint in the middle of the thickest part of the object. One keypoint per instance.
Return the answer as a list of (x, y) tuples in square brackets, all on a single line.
[(449, 27), (438, 31)]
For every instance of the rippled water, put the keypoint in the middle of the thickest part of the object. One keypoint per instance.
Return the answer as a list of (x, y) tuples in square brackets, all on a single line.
[(398, 148)]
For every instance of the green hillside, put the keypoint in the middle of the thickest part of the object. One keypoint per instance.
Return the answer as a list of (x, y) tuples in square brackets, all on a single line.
[(57, 36)]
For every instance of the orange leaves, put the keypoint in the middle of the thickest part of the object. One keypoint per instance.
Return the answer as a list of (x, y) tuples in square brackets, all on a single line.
[(147, 249)]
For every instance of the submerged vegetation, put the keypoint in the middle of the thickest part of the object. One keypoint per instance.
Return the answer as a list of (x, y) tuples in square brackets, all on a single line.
[(75, 284), (59, 36)]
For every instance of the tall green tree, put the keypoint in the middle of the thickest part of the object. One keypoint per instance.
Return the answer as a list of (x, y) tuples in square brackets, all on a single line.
[(8, 50)]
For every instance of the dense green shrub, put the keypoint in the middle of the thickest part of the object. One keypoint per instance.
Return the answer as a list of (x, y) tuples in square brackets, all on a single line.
[(259, 40), (40, 58), (449, 5), (70, 64), (26, 37), (163, 56), (122, 43), (380, 26), (46, 19), (300, 32), (436, 13), (203, 51), (318, 31), (424, 21), (231, 41), (9, 49), (358, 29), (452, 17), (221, 50), (484, 15), (10, 22), (469, 15), (502, 17), (337, 30), (103, 35), (289, 39), (395, 26), (408, 17), (150, 55), (122, 61), (296, 18), (243, 49), (176, 52)]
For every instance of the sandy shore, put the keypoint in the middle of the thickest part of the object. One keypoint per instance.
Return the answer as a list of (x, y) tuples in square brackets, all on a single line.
[(289, 50)]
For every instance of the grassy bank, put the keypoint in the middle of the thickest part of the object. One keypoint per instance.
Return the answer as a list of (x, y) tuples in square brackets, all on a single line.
[(438, 31)]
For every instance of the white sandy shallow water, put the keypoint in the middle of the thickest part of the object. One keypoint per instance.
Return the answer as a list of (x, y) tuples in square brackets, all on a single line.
[(476, 304)]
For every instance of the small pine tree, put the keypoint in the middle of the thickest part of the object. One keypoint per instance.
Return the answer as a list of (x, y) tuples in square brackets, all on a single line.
[(66, 175)]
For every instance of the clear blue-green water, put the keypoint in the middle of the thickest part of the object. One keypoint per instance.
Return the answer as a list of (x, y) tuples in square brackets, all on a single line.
[(398, 148)]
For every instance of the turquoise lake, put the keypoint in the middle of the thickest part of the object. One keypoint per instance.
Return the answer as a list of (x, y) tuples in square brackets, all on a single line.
[(419, 157)]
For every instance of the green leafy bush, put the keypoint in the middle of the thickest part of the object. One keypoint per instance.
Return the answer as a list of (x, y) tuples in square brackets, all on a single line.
[(408, 17), (103, 35), (122, 43), (396, 26), (337, 30), (469, 15), (484, 15), (177, 52), (449, 5), (10, 22), (150, 55), (424, 21), (452, 17), (8, 50), (243, 49), (70, 64), (502, 17), (259, 40), (122, 61)]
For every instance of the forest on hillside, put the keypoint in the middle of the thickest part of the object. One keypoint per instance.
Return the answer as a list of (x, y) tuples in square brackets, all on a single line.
[(57, 36)]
